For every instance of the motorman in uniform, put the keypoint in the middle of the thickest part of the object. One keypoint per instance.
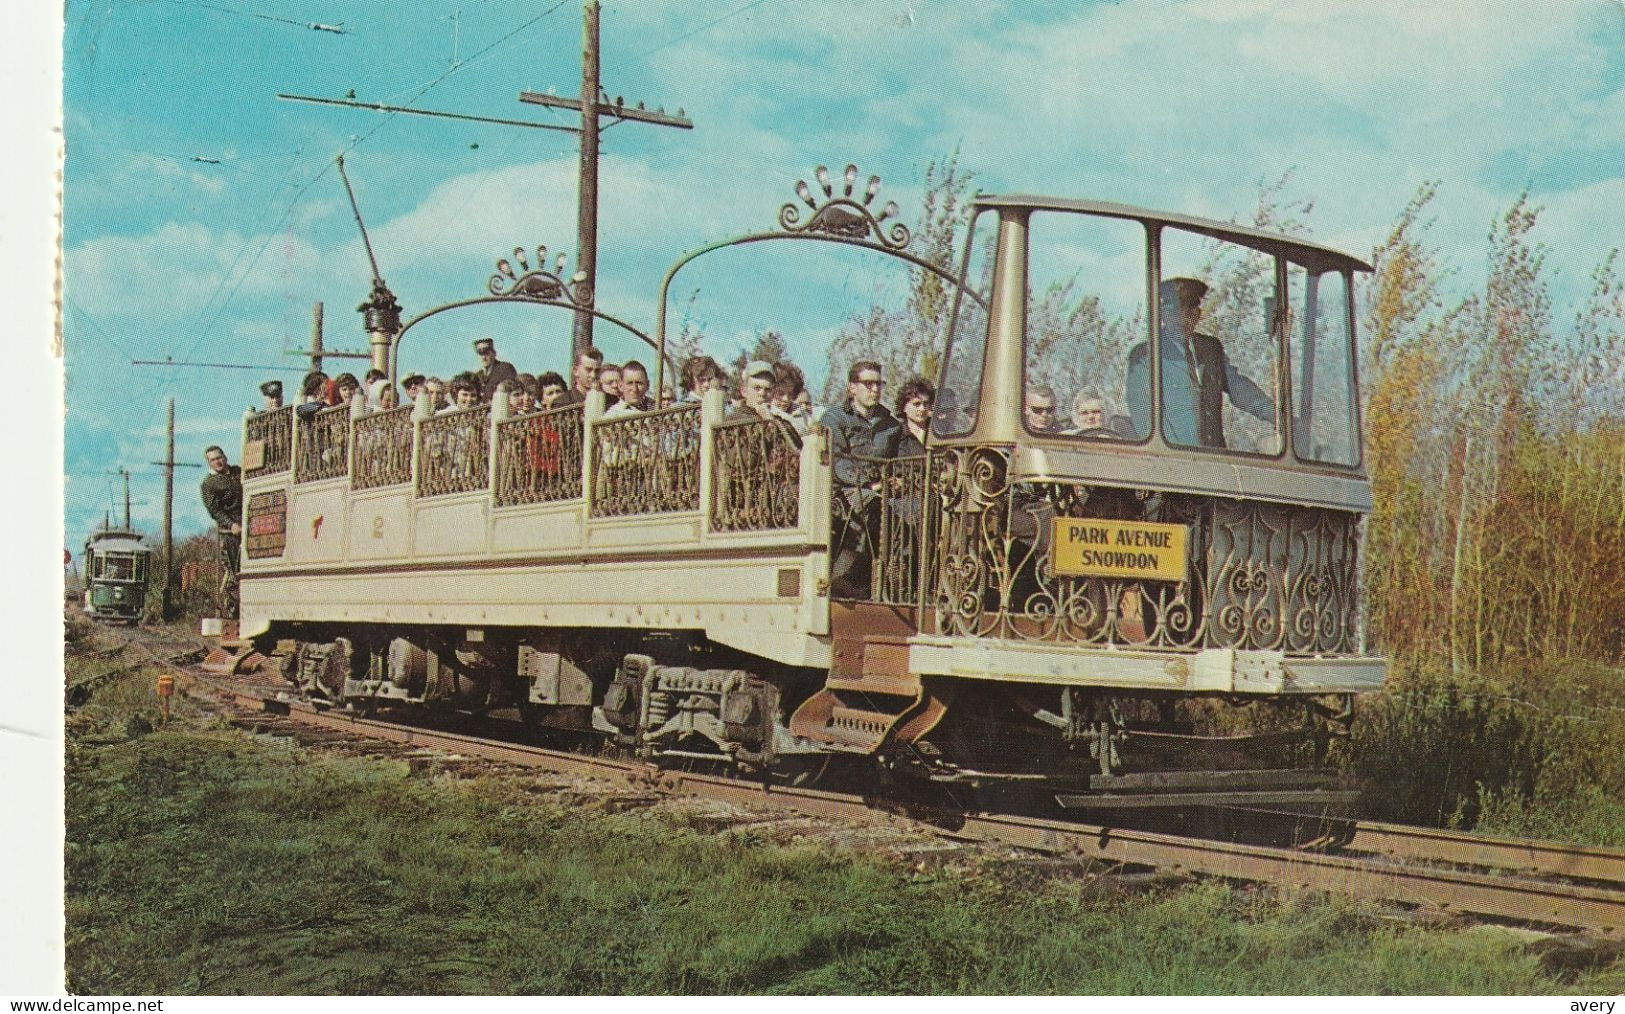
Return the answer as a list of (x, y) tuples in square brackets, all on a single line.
[(1197, 375), (494, 371)]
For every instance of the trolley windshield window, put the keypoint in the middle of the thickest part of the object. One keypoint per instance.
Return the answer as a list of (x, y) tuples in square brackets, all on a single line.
[(1218, 346), (117, 567), (1085, 314)]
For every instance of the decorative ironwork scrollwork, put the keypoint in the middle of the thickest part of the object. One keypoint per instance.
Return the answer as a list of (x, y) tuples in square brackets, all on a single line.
[(845, 216), (454, 452), (647, 462), (274, 431), (383, 449), (1283, 578), (756, 476), (540, 283), (539, 457), (1259, 577), (324, 445)]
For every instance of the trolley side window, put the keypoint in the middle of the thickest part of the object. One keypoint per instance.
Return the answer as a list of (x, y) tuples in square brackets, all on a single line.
[(961, 376), (1325, 411)]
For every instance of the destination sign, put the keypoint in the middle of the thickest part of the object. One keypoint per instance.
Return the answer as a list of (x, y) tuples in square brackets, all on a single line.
[(1093, 547)]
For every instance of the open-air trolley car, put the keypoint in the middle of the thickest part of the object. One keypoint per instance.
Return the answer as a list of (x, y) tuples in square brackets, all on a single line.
[(1160, 609)]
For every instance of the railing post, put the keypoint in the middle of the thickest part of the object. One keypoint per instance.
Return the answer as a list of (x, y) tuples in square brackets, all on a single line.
[(422, 408), (812, 505), (499, 415), (711, 412), (591, 412), (358, 410), (293, 447)]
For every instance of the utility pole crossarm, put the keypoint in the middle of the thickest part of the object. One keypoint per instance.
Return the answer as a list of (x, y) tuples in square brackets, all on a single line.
[(384, 107), (619, 111)]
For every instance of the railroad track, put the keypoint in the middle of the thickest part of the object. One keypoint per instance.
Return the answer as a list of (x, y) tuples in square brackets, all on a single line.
[(1521, 881)]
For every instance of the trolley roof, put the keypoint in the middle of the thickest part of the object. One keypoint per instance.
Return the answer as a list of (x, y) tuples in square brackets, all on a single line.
[(1313, 256), (117, 542)]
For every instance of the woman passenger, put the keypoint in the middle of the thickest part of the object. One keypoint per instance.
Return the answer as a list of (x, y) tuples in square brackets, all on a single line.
[(914, 404), (551, 389)]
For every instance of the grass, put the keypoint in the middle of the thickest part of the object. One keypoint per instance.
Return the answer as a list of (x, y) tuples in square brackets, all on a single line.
[(1536, 752), (201, 860)]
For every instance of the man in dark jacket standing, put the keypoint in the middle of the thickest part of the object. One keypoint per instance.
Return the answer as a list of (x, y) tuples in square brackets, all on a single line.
[(223, 498), (493, 371), (860, 427)]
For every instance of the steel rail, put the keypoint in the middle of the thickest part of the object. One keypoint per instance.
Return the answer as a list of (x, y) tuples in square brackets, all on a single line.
[(1594, 908), (1488, 852), (1535, 857), (1598, 908)]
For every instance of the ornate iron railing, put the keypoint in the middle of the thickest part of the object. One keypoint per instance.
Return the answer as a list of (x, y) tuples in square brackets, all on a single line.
[(647, 463), (454, 455), (539, 457), (1283, 578), (274, 432), (880, 513), (755, 476), (383, 449), (324, 445), (1258, 576)]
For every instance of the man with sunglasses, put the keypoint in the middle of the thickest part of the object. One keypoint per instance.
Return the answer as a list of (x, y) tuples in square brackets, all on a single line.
[(859, 428)]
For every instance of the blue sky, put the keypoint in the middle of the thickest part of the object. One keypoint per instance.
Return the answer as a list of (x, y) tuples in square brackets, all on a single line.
[(1181, 106)]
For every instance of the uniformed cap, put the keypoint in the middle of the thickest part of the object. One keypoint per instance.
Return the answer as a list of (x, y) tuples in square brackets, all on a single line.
[(1188, 291), (271, 388), (411, 379), (757, 367), (484, 345)]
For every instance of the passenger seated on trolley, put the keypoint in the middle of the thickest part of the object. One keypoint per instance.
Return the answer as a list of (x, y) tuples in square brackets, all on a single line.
[(859, 428), (436, 389), (1038, 409), (583, 376), (701, 374), (348, 388), (1196, 374), (550, 389), (272, 392), (634, 388), (1088, 416), (755, 390), (412, 385), (312, 394), (464, 394), (609, 382), (521, 393)]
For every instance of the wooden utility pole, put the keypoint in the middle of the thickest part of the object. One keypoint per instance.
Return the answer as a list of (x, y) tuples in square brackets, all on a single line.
[(126, 473), (169, 515), (592, 106), (169, 465), (587, 189), (315, 340)]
